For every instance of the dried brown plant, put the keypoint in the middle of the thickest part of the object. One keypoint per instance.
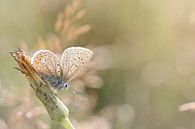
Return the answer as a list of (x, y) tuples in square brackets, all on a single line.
[(67, 29)]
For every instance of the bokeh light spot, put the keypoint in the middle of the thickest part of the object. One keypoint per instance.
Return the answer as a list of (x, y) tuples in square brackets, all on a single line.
[(154, 74), (126, 112)]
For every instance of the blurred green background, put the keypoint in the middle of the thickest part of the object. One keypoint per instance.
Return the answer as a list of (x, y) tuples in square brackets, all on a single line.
[(147, 62)]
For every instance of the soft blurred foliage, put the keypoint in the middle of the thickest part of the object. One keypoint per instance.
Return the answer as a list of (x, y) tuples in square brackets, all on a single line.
[(141, 74)]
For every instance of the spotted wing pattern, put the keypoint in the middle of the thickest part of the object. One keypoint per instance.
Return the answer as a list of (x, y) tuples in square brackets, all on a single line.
[(47, 64), (73, 58)]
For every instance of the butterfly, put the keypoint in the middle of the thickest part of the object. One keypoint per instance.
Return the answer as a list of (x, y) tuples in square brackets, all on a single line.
[(59, 72)]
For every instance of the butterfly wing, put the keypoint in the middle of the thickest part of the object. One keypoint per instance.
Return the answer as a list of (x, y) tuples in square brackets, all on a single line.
[(73, 59), (47, 65)]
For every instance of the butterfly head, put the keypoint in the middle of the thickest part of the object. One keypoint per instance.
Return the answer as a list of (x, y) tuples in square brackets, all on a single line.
[(59, 83)]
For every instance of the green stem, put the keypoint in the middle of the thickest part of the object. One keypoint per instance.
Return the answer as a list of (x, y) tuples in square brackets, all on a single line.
[(56, 109), (66, 123)]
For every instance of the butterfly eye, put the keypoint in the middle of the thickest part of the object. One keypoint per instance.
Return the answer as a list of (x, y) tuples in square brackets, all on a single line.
[(65, 85)]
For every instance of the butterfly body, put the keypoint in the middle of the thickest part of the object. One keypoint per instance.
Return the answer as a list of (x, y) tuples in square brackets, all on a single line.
[(58, 72), (55, 82)]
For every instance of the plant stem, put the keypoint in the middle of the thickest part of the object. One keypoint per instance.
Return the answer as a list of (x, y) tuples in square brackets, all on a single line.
[(66, 123)]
